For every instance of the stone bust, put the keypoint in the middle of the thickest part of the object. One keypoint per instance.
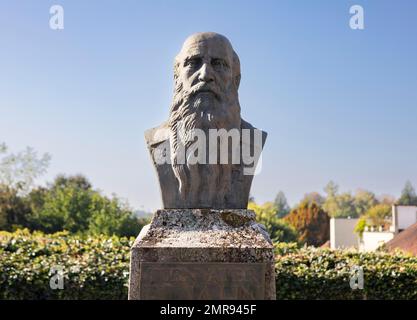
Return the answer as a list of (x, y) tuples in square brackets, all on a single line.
[(202, 153)]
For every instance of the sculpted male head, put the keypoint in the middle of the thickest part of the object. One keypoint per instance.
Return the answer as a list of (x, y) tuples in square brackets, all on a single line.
[(207, 59), (207, 77)]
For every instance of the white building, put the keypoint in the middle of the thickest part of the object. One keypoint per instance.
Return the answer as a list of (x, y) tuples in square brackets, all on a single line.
[(342, 234), (372, 240), (402, 218)]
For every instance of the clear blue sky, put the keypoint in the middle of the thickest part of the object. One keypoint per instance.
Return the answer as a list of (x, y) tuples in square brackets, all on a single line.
[(337, 103)]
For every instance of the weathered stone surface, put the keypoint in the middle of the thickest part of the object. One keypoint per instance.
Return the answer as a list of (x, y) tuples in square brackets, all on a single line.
[(207, 77), (193, 244), (202, 281)]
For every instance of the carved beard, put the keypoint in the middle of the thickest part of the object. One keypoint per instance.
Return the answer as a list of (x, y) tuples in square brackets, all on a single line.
[(205, 185)]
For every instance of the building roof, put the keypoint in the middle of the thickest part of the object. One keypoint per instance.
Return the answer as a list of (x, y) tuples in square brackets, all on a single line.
[(406, 240), (326, 244)]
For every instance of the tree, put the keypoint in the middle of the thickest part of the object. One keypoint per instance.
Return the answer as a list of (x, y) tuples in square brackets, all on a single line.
[(281, 205), (408, 196), (78, 181), (17, 175), (339, 205), (19, 171), (331, 189), (113, 217), (363, 201), (279, 230), (14, 211), (386, 199), (313, 197), (360, 226), (331, 205), (70, 203), (311, 223), (378, 215), (65, 208)]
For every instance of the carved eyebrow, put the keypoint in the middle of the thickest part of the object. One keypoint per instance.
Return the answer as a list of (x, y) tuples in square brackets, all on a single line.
[(190, 58)]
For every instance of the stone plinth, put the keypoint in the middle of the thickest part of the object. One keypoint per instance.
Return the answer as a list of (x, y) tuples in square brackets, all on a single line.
[(202, 254)]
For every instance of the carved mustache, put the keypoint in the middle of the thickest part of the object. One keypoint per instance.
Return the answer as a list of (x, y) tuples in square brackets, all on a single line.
[(204, 88)]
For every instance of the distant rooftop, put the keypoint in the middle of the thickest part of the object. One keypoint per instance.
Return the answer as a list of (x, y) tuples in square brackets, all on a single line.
[(405, 241)]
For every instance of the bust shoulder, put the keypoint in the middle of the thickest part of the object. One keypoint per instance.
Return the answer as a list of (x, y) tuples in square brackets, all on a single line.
[(247, 125), (157, 135)]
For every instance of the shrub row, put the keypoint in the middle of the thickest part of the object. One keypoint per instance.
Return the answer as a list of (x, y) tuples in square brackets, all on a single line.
[(98, 268), (92, 267), (316, 273)]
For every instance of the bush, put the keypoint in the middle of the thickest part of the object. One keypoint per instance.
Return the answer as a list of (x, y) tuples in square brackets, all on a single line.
[(93, 268), (316, 273), (98, 268)]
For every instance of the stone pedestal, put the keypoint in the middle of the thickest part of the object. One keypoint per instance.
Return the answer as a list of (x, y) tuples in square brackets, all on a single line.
[(202, 254)]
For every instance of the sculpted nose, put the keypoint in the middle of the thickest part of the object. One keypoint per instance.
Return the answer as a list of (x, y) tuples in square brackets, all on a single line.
[(206, 74)]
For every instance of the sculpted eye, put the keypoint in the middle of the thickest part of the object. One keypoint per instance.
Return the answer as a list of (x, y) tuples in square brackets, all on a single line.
[(194, 62), (219, 63)]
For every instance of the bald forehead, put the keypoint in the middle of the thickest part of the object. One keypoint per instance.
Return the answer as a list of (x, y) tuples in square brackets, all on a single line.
[(214, 45), (207, 38)]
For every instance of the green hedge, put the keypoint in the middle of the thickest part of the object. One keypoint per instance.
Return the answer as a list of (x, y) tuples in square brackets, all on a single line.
[(93, 268), (310, 273), (97, 268)]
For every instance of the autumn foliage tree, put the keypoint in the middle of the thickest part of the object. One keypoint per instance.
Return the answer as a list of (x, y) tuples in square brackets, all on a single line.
[(311, 222)]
